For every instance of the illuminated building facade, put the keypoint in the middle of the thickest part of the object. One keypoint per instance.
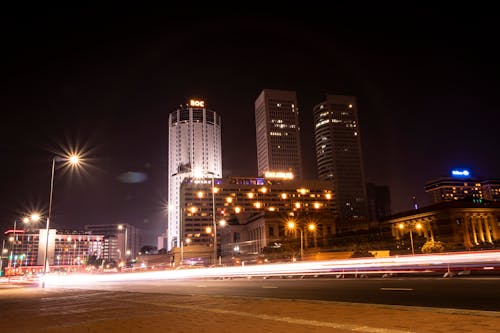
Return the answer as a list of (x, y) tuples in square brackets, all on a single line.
[(462, 186), (256, 211), (118, 238), (278, 132), (194, 151), (338, 154), (68, 248), (456, 223)]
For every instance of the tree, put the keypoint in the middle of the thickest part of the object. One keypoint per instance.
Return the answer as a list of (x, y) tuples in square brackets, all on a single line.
[(433, 247), (148, 249)]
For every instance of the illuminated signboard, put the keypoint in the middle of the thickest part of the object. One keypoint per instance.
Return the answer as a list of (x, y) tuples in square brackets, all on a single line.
[(278, 174), (196, 103), (460, 173)]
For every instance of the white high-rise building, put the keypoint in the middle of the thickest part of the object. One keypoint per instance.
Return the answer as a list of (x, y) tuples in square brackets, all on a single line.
[(194, 151)]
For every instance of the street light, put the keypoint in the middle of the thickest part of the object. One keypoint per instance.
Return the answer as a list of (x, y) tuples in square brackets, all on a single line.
[(292, 226), (127, 252), (223, 230), (418, 226), (72, 160), (213, 217)]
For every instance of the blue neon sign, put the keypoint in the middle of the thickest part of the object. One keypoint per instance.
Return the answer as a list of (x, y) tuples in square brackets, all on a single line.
[(460, 173)]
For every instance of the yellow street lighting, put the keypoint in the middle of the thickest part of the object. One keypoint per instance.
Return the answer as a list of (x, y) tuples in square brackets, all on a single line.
[(222, 223), (417, 226), (73, 160), (292, 226), (311, 226), (208, 230)]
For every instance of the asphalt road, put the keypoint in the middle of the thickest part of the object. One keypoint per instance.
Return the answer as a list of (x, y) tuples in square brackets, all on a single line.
[(474, 293)]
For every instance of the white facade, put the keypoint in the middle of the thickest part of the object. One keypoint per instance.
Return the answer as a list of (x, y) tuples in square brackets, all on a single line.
[(194, 151)]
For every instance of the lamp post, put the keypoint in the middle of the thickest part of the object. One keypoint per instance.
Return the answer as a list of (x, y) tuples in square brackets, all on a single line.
[(222, 223), (292, 226), (418, 226), (213, 217), (127, 252), (71, 160)]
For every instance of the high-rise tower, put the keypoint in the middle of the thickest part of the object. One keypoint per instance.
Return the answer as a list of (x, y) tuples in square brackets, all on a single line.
[(338, 154), (194, 151), (277, 129)]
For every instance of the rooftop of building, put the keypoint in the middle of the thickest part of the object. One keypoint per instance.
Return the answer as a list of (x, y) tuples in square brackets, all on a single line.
[(445, 205)]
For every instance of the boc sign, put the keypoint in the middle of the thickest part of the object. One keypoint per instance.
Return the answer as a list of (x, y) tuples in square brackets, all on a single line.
[(196, 103)]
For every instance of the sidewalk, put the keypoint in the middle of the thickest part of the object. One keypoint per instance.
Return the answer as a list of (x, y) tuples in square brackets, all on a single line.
[(75, 311)]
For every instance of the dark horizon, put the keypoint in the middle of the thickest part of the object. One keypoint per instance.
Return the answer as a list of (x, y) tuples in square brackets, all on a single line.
[(426, 100)]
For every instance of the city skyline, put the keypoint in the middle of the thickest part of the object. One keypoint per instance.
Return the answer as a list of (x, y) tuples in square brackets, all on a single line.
[(109, 85)]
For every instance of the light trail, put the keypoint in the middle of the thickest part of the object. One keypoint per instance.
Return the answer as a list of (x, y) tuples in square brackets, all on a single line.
[(402, 264)]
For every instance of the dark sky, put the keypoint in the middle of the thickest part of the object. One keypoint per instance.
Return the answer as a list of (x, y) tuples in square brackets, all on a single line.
[(426, 82)]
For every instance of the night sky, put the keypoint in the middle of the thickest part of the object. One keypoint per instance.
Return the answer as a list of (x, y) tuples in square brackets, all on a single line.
[(427, 85)]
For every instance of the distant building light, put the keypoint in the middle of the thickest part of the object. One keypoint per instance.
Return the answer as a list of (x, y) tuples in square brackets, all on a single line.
[(278, 174), (460, 173)]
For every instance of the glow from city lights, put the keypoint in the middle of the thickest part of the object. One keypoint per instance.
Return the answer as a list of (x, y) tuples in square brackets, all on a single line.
[(197, 173)]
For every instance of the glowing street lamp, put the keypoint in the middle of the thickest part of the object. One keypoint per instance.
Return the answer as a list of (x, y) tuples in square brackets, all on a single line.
[(418, 226), (72, 160), (291, 225), (126, 250)]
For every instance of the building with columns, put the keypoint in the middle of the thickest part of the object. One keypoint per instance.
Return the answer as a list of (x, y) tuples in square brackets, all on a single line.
[(459, 223)]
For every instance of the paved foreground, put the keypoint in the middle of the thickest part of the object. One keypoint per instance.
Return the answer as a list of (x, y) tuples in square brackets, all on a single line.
[(32, 309)]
